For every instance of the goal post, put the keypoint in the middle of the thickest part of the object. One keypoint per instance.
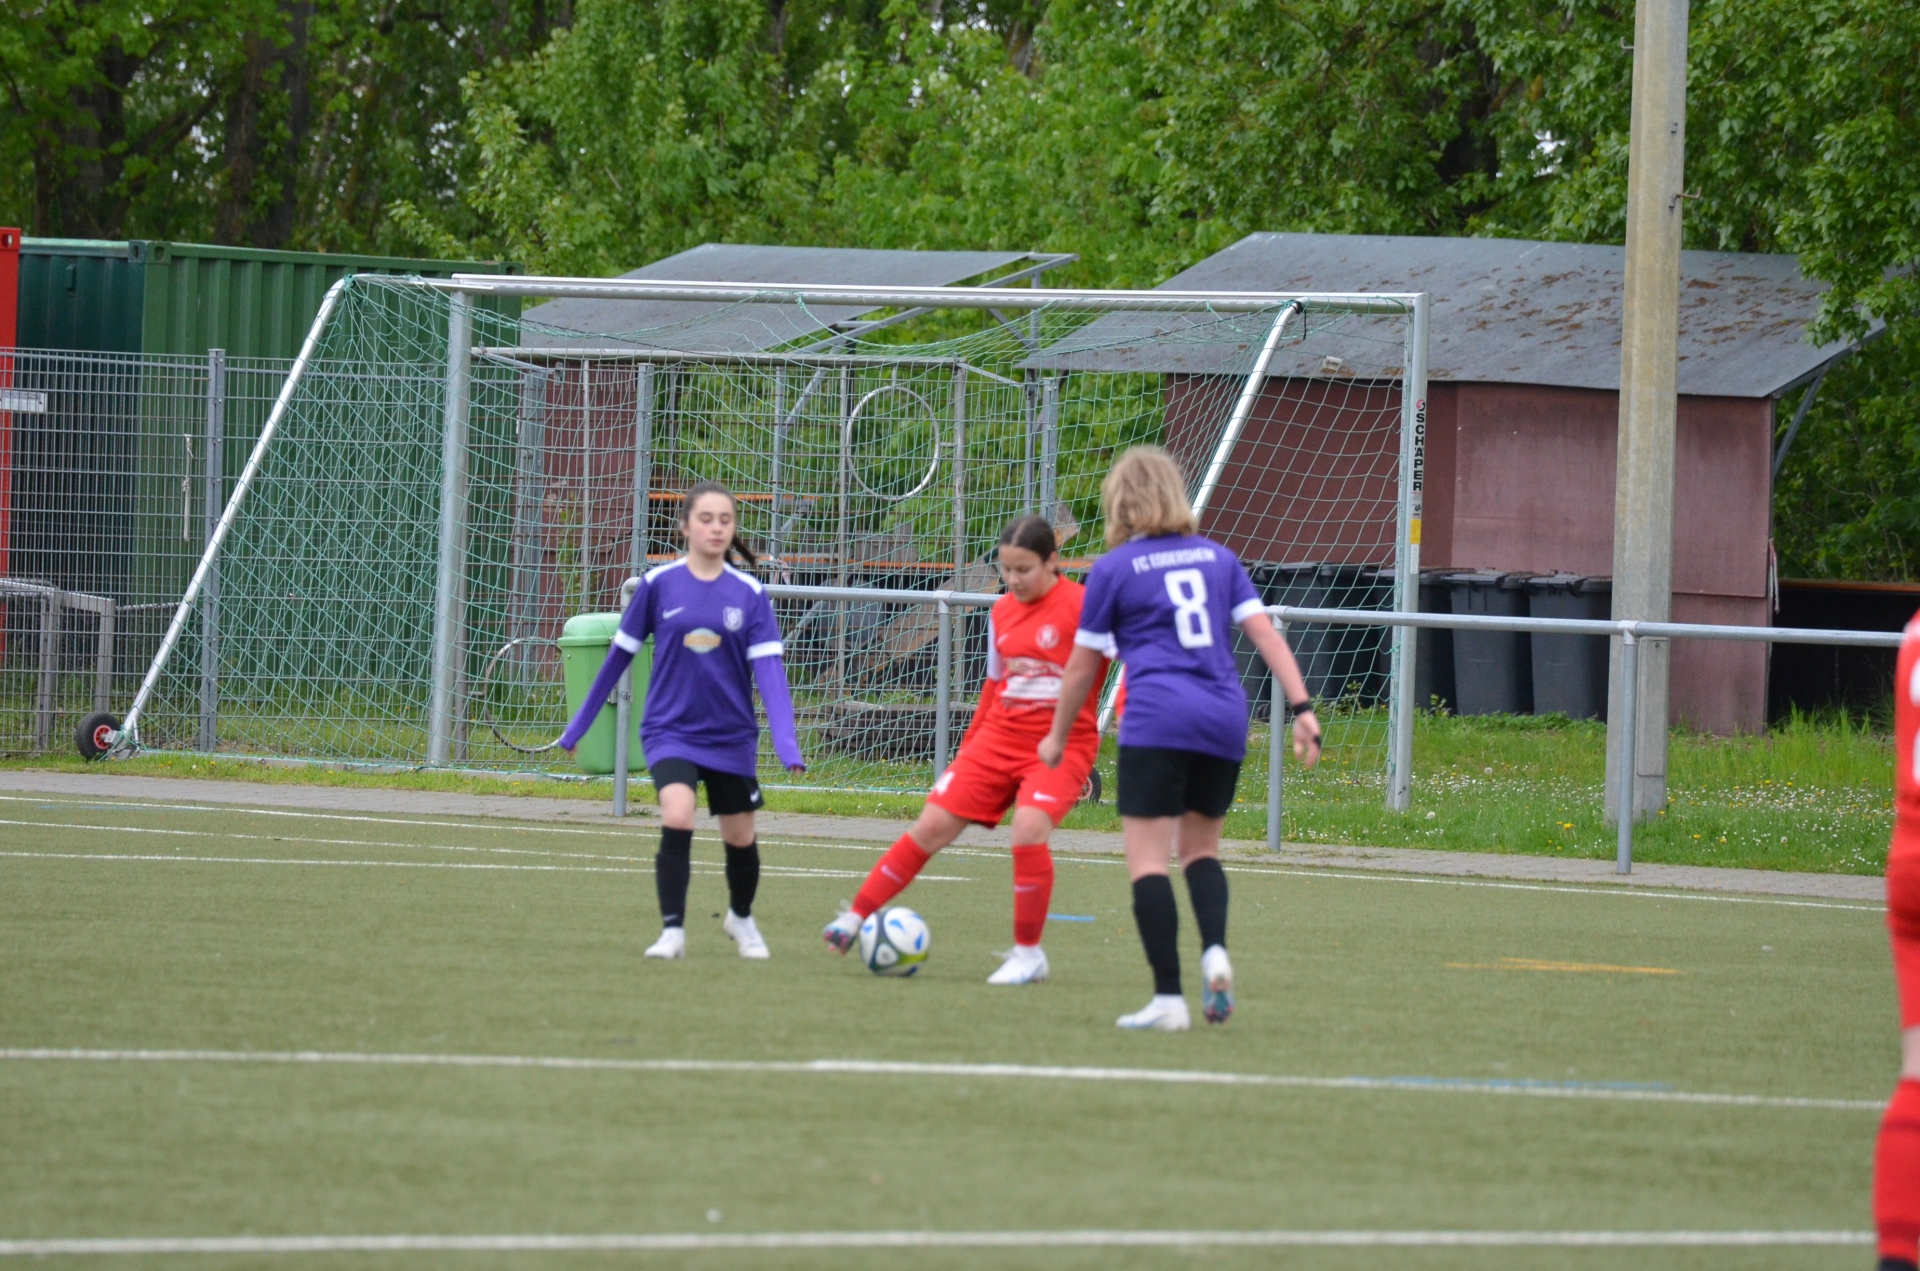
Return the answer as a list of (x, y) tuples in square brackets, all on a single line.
[(439, 488)]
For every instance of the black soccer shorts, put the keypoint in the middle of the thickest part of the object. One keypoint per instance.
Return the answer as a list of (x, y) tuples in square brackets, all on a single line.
[(727, 792), (1161, 781)]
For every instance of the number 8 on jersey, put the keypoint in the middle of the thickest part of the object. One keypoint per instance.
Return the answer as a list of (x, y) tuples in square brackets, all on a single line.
[(1187, 588)]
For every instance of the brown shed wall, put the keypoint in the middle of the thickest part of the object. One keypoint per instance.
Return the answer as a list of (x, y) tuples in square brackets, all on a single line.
[(1519, 477)]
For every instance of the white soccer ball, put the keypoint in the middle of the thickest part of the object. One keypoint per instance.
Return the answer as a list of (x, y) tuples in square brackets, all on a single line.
[(894, 941)]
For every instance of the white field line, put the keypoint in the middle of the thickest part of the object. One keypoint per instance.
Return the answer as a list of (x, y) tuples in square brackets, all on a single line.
[(1383, 876), (782, 871), (776, 871), (900, 1068), (244, 809), (695, 1241)]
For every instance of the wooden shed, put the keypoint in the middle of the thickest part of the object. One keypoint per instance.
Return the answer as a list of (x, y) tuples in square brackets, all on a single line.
[(1523, 389)]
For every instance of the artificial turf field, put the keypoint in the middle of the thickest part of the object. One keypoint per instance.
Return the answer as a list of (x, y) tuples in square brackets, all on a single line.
[(1529, 1057)]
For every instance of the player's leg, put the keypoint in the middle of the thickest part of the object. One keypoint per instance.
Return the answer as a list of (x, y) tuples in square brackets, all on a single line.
[(1896, 1162), (1151, 800), (1045, 797), (965, 793), (898, 866), (675, 782), (733, 798), (1026, 962), (1210, 786)]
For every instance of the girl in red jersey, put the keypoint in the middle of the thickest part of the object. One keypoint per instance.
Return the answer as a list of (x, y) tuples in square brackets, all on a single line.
[(1029, 635), (1896, 1162)]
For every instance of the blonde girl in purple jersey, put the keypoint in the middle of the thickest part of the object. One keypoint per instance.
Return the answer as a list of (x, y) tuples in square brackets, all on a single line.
[(1169, 600), (715, 640)]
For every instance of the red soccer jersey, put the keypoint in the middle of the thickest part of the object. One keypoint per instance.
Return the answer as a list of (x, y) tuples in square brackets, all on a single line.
[(1027, 649), (1906, 721)]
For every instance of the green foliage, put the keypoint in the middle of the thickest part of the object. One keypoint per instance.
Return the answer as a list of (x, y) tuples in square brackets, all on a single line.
[(1847, 504), (1141, 134), (270, 123)]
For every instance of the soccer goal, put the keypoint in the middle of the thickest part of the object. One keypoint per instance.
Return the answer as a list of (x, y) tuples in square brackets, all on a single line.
[(439, 488)]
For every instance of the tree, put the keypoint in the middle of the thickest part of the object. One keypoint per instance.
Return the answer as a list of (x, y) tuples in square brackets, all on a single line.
[(268, 123)]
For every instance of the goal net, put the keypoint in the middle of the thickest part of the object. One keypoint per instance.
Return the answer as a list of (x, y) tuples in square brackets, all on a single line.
[(441, 488)]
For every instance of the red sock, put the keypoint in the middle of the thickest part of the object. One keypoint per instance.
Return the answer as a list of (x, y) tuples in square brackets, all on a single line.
[(1032, 891), (1896, 1175), (903, 861)]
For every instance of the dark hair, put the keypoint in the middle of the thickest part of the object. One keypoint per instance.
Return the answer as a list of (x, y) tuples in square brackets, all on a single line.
[(699, 490), (1032, 533)]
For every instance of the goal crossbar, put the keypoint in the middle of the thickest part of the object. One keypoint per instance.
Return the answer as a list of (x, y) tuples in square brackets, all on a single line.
[(1379, 304)]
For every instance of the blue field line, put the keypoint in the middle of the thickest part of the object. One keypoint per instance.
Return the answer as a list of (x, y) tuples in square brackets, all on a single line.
[(1506, 1087), (1069, 917)]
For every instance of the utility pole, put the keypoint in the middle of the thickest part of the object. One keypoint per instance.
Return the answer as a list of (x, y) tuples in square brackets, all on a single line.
[(1649, 383)]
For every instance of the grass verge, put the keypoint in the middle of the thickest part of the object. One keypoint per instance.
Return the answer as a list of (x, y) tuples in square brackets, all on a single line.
[(1812, 795)]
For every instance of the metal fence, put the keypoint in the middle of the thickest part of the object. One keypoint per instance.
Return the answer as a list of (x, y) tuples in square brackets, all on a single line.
[(113, 468), (941, 616)]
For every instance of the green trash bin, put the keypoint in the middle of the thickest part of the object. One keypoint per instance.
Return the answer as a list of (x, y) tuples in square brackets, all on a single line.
[(584, 642)]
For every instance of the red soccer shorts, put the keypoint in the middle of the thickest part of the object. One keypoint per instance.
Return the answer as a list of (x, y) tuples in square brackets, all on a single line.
[(995, 771), (1903, 919)]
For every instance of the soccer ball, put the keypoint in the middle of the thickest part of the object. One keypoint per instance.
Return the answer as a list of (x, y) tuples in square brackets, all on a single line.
[(894, 941)]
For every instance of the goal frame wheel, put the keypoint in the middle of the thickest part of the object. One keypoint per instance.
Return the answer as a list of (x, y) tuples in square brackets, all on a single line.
[(96, 735), (1091, 790)]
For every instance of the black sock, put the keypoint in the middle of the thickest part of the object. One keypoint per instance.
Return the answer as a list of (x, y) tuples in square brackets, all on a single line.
[(743, 877), (1207, 889), (671, 869), (1159, 919)]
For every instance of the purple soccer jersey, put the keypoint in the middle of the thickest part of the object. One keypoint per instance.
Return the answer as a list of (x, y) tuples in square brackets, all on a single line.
[(1170, 605), (712, 642)]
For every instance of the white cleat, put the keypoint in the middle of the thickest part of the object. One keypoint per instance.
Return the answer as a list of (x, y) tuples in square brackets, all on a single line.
[(1164, 1014), (843, 932), (671, 944), (1216, 980), (1023, 964), (746, 935)]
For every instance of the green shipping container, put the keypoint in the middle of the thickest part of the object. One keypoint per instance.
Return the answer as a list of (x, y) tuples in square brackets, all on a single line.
[(146, 296)]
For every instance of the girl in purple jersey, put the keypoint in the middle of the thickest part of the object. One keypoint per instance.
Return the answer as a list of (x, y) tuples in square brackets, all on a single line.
[(1169, 600), (714, 639)]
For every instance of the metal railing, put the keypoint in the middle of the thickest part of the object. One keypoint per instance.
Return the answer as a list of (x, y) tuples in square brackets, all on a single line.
[(52, 601), (1629, 633)]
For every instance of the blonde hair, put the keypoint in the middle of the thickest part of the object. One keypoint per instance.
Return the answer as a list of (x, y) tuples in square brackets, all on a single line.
[(1145, 496)]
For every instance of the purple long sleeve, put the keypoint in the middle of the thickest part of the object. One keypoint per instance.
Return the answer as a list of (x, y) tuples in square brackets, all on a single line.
[(771, 675), (618, 660)]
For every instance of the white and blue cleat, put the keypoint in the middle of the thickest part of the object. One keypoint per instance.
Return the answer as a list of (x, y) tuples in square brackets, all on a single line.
[(1216, 985), (843, 932)]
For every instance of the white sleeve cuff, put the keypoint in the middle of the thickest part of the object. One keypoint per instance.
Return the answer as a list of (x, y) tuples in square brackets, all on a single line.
[(1098, 641), (770, 649), (1247, 608), (626, 642)]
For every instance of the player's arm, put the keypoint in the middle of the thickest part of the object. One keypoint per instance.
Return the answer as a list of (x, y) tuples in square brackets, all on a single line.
[(764, 655), (632, 633), (1085, 668), (989, 691), (1279, 659)]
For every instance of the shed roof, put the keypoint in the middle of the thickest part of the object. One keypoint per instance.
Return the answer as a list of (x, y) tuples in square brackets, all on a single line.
[(1505, 311), (748, 328)]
